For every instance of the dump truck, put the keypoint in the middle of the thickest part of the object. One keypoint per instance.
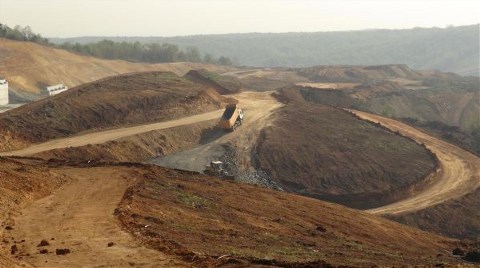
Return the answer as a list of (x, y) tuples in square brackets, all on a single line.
[(217, 169), (231, 118)]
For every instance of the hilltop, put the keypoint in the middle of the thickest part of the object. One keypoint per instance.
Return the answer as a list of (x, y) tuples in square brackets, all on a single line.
[(29, 67), (326, 153)]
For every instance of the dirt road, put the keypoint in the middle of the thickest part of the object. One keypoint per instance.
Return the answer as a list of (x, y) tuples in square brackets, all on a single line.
[(109, 135), (258, 107), (458, 175), (79, 216)]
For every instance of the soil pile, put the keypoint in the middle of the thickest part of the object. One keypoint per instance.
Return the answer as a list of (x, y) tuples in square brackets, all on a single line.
[(326, 153)]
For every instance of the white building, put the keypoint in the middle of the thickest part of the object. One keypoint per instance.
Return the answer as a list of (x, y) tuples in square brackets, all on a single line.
[(3, 91), (54, 90)]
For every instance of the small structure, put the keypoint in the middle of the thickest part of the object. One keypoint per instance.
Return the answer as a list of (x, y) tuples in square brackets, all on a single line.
[(55, 89), (3, 91)]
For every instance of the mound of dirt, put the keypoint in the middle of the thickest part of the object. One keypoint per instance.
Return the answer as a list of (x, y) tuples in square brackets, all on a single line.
[(200, 217), (113, 102), (222, 83), (326, 153), (30, 67)]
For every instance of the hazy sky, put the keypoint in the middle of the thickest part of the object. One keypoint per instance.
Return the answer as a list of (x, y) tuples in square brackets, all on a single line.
[(68, 18)]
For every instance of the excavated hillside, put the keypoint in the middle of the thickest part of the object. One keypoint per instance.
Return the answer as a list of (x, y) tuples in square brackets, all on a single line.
[(124, 100), (30, 67), (327, 153), (181, 219), (213, 221), (454, 101), (391, 90)]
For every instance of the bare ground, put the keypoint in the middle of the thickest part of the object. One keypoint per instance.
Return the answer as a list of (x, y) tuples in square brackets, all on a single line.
[(79, 216), (258, 107), (109, 135), (459, 171)]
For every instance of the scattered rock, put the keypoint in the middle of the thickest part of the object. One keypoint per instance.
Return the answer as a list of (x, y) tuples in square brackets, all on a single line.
[(8, 227), (110, 244), (13, 249), (44, 251), (62, 251), (43, 243), (53, 238), (458, 252)]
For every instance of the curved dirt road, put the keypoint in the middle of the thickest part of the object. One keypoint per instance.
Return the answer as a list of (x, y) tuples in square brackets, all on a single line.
[(458, 175), (79, 216)]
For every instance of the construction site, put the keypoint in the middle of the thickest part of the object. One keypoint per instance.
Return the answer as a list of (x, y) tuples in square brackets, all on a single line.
[(129, 164)]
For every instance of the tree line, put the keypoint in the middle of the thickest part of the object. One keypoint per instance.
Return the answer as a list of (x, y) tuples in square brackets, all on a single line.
[(107, 49), (20, 33), (137, 52), (453, 49)]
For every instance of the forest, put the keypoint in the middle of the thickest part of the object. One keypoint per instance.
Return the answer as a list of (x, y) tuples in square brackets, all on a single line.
[(107, 49), (450, 49)]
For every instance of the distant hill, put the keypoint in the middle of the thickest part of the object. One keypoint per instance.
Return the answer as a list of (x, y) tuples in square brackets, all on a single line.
[(29, 67), (452, 49)]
